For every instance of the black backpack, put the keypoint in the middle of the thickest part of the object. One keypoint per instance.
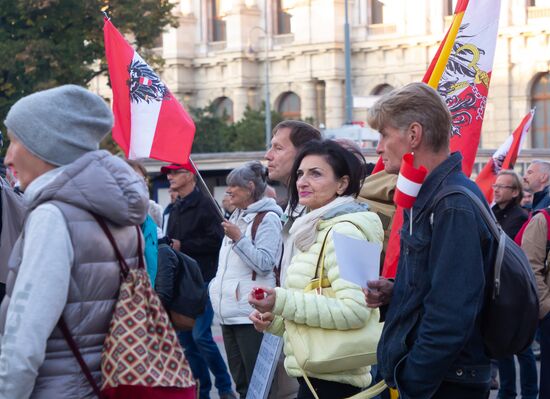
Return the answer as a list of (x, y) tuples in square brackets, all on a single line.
[(511, 309), (187, 294)]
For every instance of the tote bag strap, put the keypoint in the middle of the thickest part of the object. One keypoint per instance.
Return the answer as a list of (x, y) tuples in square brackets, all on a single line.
[(76, 352), (124, 270), (368, 393), (317, 283)]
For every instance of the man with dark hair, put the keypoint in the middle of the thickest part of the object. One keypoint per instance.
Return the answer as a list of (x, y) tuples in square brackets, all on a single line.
[(194, 228), (508, 192), (288, 139), (431, 345)]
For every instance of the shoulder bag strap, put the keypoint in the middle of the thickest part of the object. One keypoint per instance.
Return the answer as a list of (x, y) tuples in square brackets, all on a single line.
[(255, 224), (124, 270), (76, 352)]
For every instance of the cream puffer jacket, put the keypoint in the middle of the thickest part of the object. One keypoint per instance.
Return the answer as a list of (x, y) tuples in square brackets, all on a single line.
[(348, 310), (237, 261)]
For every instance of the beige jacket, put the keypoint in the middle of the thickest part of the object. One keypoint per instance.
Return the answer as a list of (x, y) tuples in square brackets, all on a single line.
[(534, 245)]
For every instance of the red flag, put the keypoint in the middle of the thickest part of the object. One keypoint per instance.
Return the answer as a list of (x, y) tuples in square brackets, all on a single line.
[(149, 120), (504, 158), (460, 71)]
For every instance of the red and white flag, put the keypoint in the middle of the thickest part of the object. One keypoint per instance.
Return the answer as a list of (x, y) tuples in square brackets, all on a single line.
[(461, 72), (505, 157), (149, 120), (409, 182)]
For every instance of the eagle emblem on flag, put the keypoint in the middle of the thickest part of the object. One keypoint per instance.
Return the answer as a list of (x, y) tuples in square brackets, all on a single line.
[(464, 85), (144, 84)]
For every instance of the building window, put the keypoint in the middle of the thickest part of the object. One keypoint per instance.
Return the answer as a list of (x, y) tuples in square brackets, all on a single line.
[(449, 7), (289, 105), (223, 108), (540, 98), (381, 89), (376, 12), (217, 25), (283, 19)]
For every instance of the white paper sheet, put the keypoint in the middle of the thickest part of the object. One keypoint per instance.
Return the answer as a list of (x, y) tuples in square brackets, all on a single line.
[(358, 260)]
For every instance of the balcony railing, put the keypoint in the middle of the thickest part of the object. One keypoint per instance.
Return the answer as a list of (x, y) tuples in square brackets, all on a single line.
[(280, 40), (381, 29), (538, 12)]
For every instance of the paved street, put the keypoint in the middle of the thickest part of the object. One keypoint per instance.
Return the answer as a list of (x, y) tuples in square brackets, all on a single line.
[(217, 333)]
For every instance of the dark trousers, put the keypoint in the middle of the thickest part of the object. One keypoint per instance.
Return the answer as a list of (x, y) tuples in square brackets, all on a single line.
[(326, 389), (242, 344), (451, 390), (203, 354), (527, 372), (544, 387)]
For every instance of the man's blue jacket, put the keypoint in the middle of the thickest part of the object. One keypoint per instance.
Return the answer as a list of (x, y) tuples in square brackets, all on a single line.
[(432, 327)]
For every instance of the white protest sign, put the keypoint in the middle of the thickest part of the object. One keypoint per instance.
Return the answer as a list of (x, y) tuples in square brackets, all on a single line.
[(358, 260)]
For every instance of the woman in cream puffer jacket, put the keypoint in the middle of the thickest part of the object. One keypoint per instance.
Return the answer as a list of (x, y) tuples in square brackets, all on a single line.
[(325, 181)]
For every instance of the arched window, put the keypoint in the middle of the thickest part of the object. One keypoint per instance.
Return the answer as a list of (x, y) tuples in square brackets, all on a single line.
[(289, 105), (223, 108), (381, 89), (540, 98)]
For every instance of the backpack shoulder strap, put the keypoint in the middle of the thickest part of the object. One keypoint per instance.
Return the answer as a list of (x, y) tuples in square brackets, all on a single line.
[(124, 272), (546, 213), (76, 352), (489, 218), (486, 214), (255, 224)]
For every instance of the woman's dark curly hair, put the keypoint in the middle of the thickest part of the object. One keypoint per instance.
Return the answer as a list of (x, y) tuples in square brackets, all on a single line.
[(342, 161)]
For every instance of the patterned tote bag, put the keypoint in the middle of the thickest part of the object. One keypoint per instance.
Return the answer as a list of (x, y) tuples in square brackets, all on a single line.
[(142, 357)]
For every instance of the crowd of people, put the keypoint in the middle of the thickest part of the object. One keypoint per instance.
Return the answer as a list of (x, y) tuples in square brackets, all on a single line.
[(266, 260)]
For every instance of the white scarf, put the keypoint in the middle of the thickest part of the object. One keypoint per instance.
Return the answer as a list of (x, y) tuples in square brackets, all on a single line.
[(304, 230)]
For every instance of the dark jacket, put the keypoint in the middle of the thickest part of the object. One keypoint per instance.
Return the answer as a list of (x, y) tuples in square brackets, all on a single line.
[(541, 199), (194, 221), (510, 218), (432, 329)]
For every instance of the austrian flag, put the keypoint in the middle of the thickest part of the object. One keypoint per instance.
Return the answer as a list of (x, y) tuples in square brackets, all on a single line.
[(149, 120), (409, 182)]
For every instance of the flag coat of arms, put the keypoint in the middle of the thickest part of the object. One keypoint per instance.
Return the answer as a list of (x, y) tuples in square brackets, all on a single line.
[(504, 157), (461, 72), (149, 120)]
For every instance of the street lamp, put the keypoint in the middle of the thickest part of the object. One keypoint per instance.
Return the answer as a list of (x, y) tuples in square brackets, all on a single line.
[(347, 52), (267, 94)]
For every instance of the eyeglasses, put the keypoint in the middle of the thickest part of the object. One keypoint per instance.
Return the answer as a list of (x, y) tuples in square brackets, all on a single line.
[(500, 187)]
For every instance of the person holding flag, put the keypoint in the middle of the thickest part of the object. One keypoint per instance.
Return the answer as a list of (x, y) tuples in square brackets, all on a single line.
[(431, 345)]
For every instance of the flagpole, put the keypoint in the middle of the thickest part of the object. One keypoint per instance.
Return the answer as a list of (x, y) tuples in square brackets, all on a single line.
[(204, 189)]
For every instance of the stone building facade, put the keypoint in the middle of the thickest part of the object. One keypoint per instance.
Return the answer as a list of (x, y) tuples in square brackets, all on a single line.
[(218, 54)]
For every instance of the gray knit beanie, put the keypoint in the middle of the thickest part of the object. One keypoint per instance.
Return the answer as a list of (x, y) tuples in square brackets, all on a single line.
[(60, 125)]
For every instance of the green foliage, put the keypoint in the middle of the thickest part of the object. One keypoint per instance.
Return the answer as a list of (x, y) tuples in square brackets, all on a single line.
[(46, 43), (215, 134), (212, 133), (250, 130)]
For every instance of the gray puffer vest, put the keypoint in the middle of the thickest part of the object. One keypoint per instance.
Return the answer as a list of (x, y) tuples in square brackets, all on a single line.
[(105, 185)]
